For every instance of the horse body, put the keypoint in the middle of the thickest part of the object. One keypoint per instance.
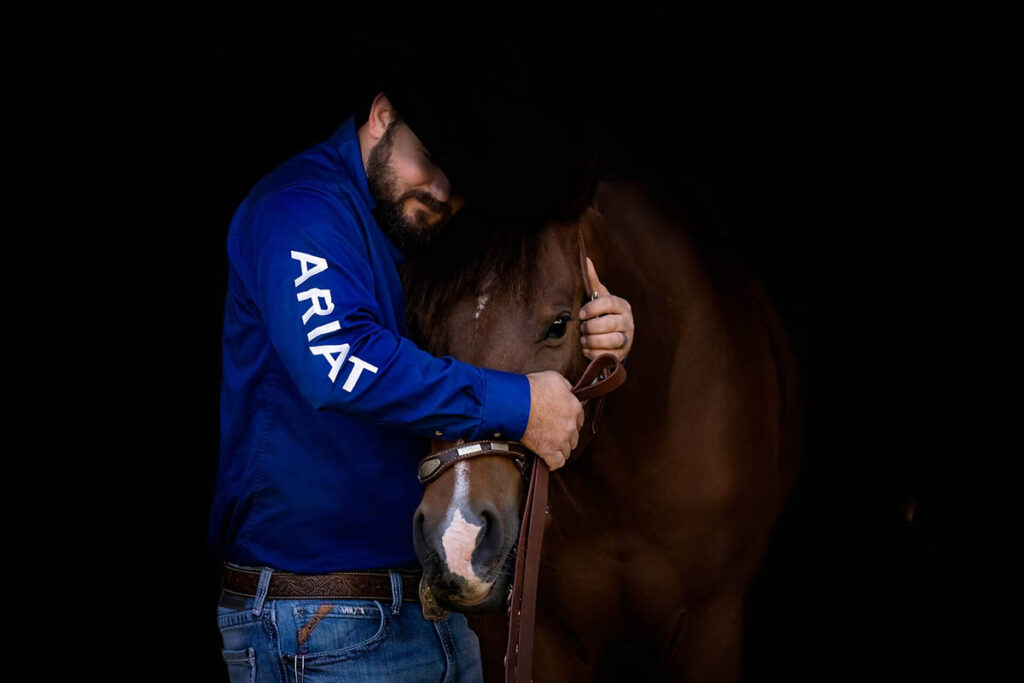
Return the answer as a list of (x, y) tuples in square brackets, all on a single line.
[(657, 529)]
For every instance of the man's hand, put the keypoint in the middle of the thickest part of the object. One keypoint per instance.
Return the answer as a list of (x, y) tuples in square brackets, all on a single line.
[(556, 417), (613, 331)]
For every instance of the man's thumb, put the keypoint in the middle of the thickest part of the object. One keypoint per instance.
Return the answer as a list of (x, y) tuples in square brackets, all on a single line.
[(595, 282)]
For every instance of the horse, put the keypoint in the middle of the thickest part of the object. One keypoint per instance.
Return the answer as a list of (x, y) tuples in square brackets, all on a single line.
[(658, 523)]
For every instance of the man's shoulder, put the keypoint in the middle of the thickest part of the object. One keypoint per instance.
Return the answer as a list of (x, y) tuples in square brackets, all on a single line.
[(318, 192), (314, 175), (305, 186)]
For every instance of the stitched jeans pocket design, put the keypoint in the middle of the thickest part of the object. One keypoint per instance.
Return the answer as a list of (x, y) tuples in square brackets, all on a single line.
[(332, 632)]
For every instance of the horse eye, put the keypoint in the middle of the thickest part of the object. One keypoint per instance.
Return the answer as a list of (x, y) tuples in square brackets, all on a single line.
[(558, 328)]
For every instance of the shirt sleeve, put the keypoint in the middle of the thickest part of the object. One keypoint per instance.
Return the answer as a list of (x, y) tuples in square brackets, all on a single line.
[(305, 261)]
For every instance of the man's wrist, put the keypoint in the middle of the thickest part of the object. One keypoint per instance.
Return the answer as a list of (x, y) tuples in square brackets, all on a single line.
[(506, 410)]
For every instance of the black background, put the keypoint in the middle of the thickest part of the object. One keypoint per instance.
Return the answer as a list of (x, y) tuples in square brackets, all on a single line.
[(844, 160)]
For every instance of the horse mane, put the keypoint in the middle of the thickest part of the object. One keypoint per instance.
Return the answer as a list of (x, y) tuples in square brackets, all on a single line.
[(471, 256)]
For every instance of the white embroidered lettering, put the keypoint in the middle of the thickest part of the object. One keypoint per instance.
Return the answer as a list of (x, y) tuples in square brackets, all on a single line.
[(320, 303), (353, 376), (323, 329), (334, 361), (305, 261), (315, 296)]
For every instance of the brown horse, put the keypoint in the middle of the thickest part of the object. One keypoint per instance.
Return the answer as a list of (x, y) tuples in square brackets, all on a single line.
[(659, 522)]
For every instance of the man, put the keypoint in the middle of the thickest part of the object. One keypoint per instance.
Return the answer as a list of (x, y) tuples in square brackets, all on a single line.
[(324, 405)]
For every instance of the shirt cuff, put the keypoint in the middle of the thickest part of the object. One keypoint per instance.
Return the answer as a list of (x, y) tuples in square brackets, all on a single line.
[(506, 406)]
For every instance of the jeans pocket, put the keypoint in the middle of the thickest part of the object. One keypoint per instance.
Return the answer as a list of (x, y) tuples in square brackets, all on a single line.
[(241, 665), (239, 629), (331, 632)]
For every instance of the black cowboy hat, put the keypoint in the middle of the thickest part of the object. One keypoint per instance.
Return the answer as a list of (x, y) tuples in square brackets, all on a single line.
[(490, 125)]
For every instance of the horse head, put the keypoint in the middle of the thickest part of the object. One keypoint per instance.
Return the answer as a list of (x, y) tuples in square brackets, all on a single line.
[(507, 300)]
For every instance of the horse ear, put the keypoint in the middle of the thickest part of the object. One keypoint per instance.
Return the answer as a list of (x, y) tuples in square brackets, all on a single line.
[(592, 215)]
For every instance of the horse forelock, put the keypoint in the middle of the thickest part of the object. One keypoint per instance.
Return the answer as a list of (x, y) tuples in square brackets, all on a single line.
[(469, 258)]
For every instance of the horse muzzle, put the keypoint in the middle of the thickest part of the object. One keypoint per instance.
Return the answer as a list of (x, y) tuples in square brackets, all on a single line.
[(467, 555)]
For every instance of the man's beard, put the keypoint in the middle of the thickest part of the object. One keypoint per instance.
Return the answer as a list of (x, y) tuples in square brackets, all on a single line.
[(409, 234)]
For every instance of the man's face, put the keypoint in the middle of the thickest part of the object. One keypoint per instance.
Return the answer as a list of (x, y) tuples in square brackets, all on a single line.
[(414, 198)]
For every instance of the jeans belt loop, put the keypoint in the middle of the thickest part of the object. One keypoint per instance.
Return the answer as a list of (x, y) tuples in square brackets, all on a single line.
[(396, 592), (261, 590)]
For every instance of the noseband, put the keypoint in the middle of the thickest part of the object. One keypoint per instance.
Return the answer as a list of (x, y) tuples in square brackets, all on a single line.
[(603, 375)]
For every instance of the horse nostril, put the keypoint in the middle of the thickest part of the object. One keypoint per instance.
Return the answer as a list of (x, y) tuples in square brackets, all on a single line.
[(426, 548), (489, 538), (487, 517)]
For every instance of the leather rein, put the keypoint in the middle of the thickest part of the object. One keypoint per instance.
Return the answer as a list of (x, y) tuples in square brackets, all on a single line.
[(603, 375)]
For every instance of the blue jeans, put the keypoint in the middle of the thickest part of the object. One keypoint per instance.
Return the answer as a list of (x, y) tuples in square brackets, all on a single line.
[(352, 640)]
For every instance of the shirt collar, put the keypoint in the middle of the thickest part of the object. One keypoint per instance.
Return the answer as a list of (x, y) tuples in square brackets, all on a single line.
[(346, 141)]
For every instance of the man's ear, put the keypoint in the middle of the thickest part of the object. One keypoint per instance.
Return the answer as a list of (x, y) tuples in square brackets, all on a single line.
[(381, 114)]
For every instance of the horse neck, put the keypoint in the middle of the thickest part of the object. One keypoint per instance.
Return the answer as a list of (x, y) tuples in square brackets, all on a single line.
[(657, 265), (689, 296)]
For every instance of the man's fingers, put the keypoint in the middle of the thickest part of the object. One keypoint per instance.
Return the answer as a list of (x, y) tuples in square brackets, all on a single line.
[(611, 340), (555, 460), (603, 305), (613, 322)]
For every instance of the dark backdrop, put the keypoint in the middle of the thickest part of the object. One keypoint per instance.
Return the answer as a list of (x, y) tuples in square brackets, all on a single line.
[(839, 167)]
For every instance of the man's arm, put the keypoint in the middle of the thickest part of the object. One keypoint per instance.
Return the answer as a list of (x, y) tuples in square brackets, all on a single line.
[(304, 261)]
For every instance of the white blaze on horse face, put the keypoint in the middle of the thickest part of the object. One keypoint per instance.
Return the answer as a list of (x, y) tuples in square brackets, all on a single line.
[(459, 539), (481, 303), (485, 295)]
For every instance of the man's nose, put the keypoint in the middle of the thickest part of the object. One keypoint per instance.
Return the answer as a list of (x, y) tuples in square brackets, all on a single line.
[(440, 187)]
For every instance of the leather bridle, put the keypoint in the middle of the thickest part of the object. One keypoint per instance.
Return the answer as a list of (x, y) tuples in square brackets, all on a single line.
[(603, 375)]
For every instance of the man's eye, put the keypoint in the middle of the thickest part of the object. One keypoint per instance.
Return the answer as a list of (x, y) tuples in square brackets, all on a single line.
[(558, 327)]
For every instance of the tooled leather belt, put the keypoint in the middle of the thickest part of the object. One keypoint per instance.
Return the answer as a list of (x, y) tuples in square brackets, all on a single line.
[(370, 585)]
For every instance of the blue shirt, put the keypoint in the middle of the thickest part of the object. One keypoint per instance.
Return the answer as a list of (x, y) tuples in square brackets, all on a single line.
[(324, 403)]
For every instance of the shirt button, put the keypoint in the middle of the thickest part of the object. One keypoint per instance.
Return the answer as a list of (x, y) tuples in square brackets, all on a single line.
[(497, 435), (437, 433)]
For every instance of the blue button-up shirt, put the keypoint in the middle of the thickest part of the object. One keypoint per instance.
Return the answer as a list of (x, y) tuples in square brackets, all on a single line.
[(324, 403)]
